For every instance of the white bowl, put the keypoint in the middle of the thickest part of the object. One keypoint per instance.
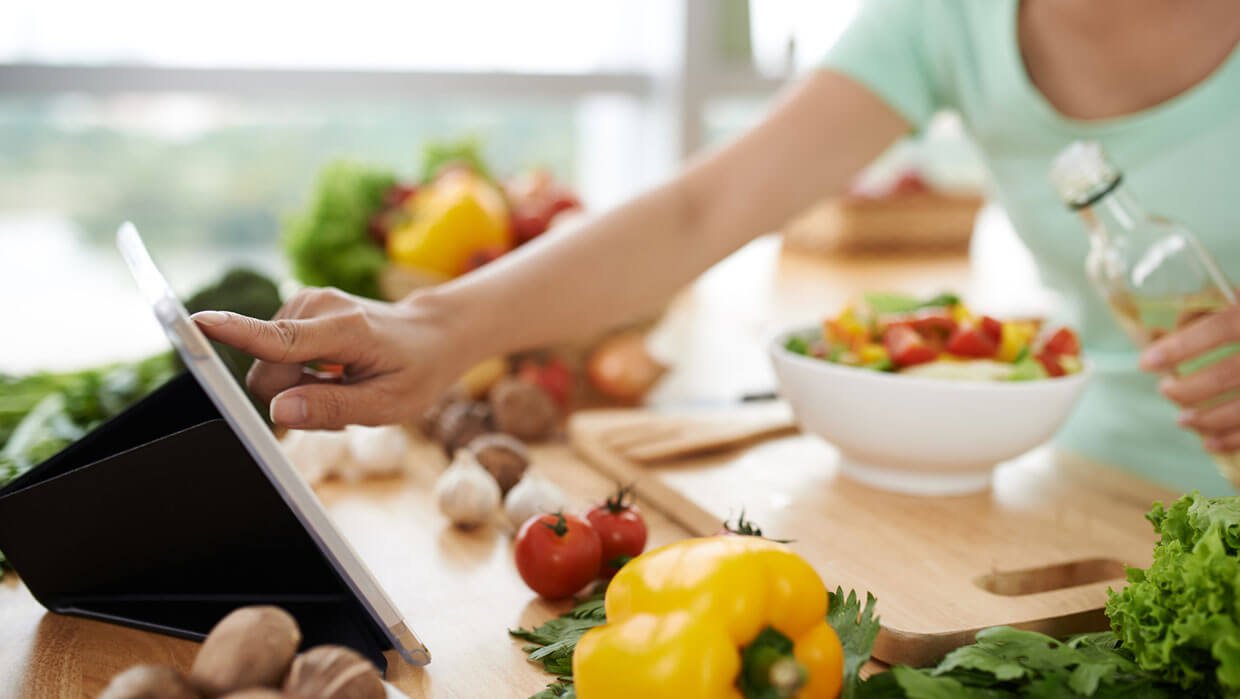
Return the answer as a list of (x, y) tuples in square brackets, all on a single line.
[(920, 435)]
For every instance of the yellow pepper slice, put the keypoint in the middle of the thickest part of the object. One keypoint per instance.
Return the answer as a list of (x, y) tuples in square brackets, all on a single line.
[(1014, 336), (680, 616)]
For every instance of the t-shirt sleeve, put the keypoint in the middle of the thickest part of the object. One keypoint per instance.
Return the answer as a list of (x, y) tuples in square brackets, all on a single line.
[(884, 48)]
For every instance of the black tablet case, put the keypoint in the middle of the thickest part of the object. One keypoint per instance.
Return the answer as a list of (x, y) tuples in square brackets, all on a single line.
[(161, 520)]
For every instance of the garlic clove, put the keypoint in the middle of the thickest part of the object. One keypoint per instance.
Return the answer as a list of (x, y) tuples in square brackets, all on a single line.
[(466, 493), (533, 495), (317, 454), (377, 451)]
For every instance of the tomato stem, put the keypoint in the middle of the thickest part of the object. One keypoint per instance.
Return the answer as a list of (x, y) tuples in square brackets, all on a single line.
[(622, 500), (560, 528), (746, 527)]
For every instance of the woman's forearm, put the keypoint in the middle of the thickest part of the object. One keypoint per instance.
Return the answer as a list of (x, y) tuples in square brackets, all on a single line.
[(584, 278), (626, 262), (398, 358)]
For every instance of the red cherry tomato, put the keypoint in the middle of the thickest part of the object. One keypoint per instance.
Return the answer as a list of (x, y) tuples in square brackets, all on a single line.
[(934, 325), (906, 347), (992, 328), (620, 528), (1063, 342), (558, 554), (1050, 362), (553, 376), (972, 341)]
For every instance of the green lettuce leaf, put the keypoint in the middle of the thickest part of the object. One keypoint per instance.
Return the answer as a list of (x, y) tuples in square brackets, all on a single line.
[(1181, 617)]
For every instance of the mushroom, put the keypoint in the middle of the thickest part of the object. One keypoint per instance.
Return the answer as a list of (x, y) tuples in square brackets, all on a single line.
[(523, 410), (503, 456), (251, 647), (333, 672), (149, 682), (461, 422)]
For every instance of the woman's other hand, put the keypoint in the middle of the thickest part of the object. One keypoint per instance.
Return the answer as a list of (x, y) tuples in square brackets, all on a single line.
[(397, 357), (1203, 393)]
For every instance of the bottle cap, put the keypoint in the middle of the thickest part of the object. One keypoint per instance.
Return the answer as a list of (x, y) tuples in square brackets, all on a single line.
[(1082, 174)]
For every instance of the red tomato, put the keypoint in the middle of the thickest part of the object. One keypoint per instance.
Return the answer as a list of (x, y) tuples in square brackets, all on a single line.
[(621, 529), (621, 368), (558, 554), (906, 347), (483, 257), (972, 341), (553, 376), (930, 324), (1063, 342), (1050, 362), (992, 328), (910, 182)]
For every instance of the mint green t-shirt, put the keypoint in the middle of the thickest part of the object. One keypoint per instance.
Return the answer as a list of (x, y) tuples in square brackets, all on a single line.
[(1180, 159)]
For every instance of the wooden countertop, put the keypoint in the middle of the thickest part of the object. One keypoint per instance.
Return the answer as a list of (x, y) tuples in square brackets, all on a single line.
[(460, 591)]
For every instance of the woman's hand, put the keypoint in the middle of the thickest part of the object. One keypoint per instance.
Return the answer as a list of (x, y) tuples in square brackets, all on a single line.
[(397, 357), (1199, 392)]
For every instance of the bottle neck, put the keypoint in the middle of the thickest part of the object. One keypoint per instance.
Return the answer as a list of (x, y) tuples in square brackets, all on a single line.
[(1115, 212)]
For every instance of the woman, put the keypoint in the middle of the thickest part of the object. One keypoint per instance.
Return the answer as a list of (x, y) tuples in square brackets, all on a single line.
[(1157, 82)]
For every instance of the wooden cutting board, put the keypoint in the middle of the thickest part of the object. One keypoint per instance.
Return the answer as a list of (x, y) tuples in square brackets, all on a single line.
[(1037, 551)]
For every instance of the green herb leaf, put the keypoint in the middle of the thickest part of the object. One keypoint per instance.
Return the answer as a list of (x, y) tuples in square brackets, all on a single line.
[(563, 689), (797, 345), (857, 627), (553, 642), (882, 303)]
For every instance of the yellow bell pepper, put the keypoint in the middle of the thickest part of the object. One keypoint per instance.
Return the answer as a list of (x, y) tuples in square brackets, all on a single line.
[(680, 617), (871, 353), (1014, 336), (846, 329), (451, 219)]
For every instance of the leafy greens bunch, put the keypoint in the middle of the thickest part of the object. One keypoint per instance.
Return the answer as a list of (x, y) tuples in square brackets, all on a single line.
[(1181, 617)]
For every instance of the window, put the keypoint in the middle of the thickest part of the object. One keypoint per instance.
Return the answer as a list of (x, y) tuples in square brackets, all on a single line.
[(204, 123)]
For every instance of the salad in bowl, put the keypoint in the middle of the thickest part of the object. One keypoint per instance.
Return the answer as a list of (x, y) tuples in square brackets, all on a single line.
[(925, 396), (939, 337)]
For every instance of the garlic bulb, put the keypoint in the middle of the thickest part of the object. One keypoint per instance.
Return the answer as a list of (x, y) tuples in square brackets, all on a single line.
[(376, 451), (533, 495), (315, 453), (466, 493)]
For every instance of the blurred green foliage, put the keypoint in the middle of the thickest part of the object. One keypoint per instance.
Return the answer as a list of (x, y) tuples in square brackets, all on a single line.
[(222, 171)]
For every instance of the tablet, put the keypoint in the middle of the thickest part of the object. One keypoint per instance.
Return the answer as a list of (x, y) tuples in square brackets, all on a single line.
[(216, 381)]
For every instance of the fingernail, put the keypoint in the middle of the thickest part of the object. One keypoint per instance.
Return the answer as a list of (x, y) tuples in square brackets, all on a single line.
[(288, 410), (1166, 384), (210, 317), (1152, 358), (1213, 444), (1187, 416)]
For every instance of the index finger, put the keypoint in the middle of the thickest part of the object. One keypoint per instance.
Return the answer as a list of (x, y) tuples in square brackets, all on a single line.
[(282, 341), (1196, 338)]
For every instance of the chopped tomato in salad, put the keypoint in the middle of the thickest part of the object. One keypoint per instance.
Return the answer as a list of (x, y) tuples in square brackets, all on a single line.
[(941, 337)]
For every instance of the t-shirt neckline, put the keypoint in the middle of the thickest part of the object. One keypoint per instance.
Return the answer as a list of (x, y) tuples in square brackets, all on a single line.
[(1165, 109)]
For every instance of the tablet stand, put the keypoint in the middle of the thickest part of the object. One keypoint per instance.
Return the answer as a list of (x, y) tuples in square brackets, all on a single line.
[(161, 520)]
